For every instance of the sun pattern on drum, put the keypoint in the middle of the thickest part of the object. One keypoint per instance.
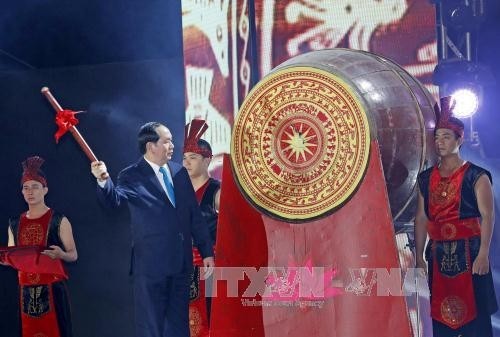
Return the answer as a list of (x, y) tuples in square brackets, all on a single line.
[(300, 144)]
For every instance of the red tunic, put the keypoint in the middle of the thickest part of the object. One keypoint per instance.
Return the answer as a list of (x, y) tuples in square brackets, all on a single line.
[(453, 302), (38, 315)]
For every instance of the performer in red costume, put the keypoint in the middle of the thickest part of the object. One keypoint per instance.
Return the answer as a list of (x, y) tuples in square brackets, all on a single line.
[(455, 208), (197, 157), (44, 302)]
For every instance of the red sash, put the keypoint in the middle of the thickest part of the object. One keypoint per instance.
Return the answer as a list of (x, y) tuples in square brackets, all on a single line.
[(452, 302), (28, 259), (454, 229)]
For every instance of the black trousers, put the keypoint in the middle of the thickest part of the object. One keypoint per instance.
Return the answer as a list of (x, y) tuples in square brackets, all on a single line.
[(162, 305), (63, 308)]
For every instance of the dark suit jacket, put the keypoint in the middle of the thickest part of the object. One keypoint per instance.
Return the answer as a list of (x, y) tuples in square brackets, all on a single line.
[(162, 235)]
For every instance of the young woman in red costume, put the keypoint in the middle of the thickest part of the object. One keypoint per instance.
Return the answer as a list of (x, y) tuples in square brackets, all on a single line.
[(455, 209)]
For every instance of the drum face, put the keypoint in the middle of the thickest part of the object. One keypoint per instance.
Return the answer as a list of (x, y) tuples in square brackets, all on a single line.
[(301, 140)]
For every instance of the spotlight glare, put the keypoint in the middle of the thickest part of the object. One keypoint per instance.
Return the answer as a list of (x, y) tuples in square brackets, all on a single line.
[(466, 103)]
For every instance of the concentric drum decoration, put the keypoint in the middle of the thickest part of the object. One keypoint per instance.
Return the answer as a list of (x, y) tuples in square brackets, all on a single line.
[(300, 144)]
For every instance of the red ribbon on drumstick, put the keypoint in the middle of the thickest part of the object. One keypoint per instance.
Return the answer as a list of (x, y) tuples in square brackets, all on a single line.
[(66, 121)]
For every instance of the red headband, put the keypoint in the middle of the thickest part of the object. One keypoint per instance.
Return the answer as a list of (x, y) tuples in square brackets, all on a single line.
[(445, 118), (192, 134), (31, 170)]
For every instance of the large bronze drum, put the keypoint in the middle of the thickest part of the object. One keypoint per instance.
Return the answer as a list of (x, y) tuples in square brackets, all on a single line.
[(301, 141)]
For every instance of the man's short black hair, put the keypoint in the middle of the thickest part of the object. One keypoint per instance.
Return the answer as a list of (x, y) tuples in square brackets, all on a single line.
[(147, 133)]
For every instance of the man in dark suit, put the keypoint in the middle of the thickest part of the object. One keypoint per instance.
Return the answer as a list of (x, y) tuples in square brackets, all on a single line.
[(164, 217)]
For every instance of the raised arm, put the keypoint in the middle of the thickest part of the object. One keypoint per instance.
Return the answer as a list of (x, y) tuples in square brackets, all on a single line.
[(108, 194)]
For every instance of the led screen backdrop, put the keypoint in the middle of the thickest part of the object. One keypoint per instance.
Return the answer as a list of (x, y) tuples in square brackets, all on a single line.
[(228, 43), (401, 30)]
